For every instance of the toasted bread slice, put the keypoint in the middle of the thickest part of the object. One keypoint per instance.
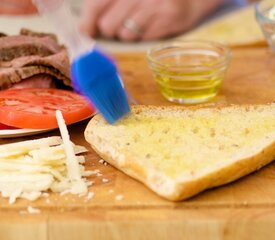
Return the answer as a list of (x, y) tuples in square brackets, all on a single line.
[(227, 29), (179, 152)]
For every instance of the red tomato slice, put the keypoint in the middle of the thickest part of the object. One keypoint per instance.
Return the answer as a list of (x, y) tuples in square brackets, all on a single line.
[(5, 127), (35, 108)]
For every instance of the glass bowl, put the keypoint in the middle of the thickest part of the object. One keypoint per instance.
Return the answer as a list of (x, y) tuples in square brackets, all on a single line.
[(265, 15), (189, 71)]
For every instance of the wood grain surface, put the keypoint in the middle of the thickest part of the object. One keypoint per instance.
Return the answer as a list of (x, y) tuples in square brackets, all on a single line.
[(244, 209)]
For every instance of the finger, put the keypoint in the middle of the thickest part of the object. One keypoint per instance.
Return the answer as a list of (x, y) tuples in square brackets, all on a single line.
[(90, 13), (17, 7), (141, 18), (169, 19), (167, 23), (160, 28), (155, 30), (111, 20)]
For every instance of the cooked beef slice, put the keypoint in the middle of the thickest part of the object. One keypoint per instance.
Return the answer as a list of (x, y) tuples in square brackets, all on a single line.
[(10, 76), (28, 32), (36, 81), (24, 56), (17, 46), (58, 62)]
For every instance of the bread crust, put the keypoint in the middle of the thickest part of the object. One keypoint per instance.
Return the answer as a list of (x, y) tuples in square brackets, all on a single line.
[(172, 189)]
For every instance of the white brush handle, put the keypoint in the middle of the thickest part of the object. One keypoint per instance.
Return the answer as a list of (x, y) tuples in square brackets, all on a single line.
[(59, 14)]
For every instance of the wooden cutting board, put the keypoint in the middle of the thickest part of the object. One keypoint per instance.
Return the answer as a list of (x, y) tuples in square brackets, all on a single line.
[(244, 209)]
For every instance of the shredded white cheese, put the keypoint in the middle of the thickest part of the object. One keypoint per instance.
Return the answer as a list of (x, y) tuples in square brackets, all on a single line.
[(32, 210), (119, 197), (271, 13), (101, 161), (90, 195), (90, 183), (71, 161), (29, 168), (45, 194)]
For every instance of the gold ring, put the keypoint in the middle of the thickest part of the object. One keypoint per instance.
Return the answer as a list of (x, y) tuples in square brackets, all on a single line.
[(132, 26)]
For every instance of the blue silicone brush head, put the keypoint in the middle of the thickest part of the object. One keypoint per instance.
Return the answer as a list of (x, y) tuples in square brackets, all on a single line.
[(96, 77)]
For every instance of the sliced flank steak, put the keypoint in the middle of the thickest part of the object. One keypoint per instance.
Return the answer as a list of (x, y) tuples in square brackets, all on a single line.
[(33, 58)]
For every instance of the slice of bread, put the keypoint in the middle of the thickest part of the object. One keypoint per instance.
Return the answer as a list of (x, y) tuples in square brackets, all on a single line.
[(179, 152), (235, 29)]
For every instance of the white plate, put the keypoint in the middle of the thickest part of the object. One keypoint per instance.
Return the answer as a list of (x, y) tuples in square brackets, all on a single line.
[(11, 133)]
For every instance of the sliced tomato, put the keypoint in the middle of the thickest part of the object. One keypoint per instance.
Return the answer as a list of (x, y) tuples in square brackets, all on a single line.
[(5, 127), (35, 108)]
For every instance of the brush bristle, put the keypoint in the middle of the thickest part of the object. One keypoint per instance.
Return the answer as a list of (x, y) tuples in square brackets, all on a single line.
[(96, 77)]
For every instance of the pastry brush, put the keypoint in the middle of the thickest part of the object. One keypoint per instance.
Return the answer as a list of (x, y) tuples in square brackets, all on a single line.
[(93, 73)]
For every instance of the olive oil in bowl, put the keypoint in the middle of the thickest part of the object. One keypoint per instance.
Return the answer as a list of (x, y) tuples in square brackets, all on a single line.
[(189, 72)]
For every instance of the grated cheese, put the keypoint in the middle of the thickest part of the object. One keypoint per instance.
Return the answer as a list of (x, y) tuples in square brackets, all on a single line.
[(90, 195), (119, 197), (101, 161), (32, 210), (71, 161), (271, 13), (78, 184), (45, 194), (29, 168)]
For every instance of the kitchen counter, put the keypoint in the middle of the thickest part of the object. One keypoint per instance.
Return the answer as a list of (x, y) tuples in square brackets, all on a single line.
[(244, 209)]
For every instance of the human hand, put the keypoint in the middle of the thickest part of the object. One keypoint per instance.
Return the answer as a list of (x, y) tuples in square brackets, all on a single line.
[(17, 7), (142, 19)]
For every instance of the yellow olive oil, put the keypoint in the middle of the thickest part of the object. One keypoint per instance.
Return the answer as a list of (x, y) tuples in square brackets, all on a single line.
[(188, 87), (189, 76)]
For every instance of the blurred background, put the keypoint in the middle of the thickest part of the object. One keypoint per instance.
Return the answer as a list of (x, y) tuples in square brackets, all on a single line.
[(223, 25)]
